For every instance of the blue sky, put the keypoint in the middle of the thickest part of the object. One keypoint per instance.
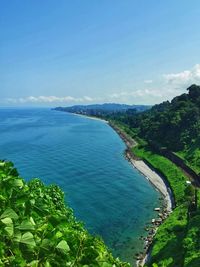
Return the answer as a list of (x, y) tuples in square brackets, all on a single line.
[(90, 51)]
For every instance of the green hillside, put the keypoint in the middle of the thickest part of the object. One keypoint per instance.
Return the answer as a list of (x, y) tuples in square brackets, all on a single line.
[(177, 242), (37, 229), (174, 125)]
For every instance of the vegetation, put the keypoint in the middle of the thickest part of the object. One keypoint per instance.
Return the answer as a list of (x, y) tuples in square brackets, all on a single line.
[(191, 155), (37, 229), (171, 243), (103, 110), (168, 249), (175, 177), (174, 126), (177, 242), (191, 243)]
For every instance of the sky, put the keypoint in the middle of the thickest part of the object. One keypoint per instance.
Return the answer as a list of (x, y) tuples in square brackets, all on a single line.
[(66, 52)]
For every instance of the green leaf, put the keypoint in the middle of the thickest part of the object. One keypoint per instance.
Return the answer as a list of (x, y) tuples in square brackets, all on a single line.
[(7, 220), (105, 264), (32, 221), (42, 228), (2, 198), (28, 239), (9, 229), (18, 183), (63, 246), (47, 264), (59, 234), (9, 213), (34, 263), (9, 225), (17, 236), (26, 225), (45, 244)]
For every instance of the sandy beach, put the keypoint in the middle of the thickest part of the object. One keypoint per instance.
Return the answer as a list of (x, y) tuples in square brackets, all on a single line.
[(89, 117), (155, 179)]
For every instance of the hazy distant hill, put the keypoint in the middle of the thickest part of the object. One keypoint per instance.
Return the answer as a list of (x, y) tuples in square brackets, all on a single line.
[(95, 109)]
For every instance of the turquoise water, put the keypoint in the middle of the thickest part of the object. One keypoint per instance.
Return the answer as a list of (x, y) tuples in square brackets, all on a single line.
[(85, 158)]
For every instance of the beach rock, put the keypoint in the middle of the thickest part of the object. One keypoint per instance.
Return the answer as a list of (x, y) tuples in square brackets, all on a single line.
[(157, 209)]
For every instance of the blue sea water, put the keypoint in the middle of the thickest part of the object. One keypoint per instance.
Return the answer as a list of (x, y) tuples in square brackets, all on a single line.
[(85, 157)]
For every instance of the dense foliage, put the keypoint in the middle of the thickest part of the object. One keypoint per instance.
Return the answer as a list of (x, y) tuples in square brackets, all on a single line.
[(103, 110), (38, 229), (174, 124)]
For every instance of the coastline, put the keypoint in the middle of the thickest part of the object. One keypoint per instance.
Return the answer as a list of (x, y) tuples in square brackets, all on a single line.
[(157, 181), (89, 117), (153, 178)]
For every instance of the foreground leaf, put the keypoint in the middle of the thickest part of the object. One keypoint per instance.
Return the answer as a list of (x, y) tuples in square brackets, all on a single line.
[(63, 246), (9, 213), (28, 239)]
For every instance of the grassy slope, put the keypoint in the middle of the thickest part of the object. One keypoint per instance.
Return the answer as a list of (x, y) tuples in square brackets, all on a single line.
[(192, 239), (177, 241), (192, 243), (170, 171), (168, 247), (191, 157)]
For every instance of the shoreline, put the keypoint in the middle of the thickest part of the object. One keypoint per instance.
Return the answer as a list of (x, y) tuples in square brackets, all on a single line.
[(89, 117), (153, 178), (158, 182), (151, 175)]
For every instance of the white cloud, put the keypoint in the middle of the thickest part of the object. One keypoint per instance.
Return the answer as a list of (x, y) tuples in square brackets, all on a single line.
[(168, 86), (184, 78), (138, 96), (137, 93), (49, 99), (148, 81)]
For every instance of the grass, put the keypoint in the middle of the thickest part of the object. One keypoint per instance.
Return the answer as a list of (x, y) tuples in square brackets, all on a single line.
[(177, 241), (192, 243), (191, 157), (174, 176), (168, 247)]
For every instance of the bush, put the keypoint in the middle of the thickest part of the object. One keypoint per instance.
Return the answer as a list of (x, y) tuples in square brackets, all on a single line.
[(37, 229)]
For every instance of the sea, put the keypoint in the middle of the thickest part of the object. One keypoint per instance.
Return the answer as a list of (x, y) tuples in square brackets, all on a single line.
[(85, 157)]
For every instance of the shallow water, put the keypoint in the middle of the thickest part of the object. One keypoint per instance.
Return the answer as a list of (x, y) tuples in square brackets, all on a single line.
[(86, 159)]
